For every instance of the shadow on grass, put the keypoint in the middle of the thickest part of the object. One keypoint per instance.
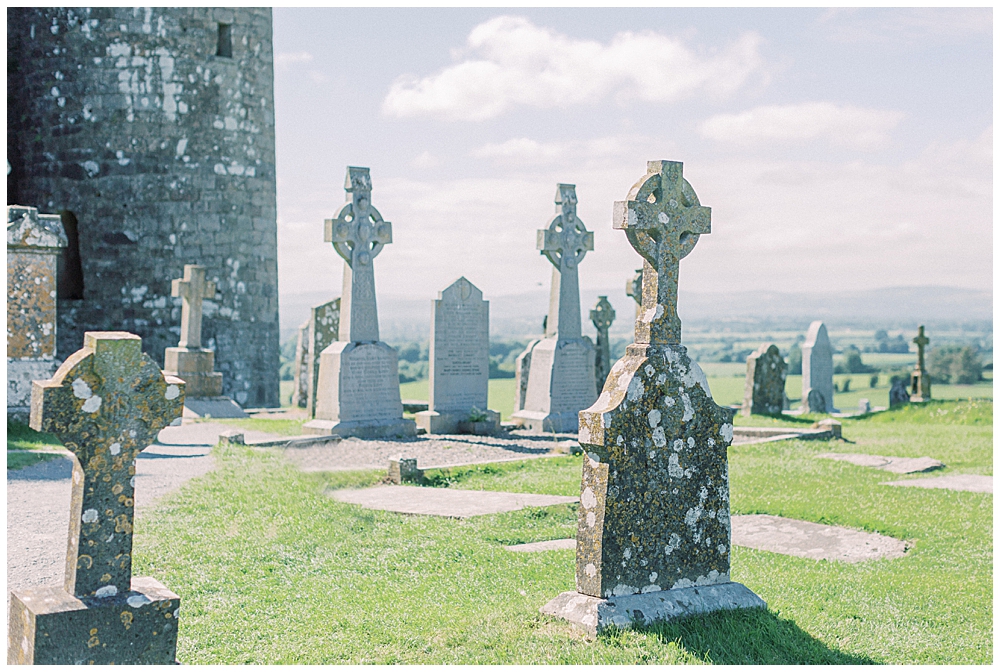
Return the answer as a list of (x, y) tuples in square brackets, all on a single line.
[(748, 636)]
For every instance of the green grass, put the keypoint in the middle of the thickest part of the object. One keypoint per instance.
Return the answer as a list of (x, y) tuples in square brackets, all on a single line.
[(272, 570), (500, 397), (282, 427), (26, 447)]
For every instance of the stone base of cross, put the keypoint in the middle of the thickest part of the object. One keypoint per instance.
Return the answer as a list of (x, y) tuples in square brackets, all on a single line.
[(196, 367), (561, 381), (920, 386)]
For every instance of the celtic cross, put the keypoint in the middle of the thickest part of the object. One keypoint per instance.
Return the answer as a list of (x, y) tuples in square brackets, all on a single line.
[(192, 289), (602, 316), (663, 220), (565, 243), (921, 341), (106, 403), (358, 234)]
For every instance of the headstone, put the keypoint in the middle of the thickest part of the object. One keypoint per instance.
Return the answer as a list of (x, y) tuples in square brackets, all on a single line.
[(358, 389), (898, 394), (301, 368), (817, 369), (653, 533), (634, 289), (106, 403), (324, 330), (602, 316), (522, 372), (815, 402), (404, 470), (864, 406), (764, 391), (34, 242), (561, 379), (459, 362), (920, 380)]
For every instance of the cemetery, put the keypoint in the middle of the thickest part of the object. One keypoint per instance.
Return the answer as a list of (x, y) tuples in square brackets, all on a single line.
[(616, 473)]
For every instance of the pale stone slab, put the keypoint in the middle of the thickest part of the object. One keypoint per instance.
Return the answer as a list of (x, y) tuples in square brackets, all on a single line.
[(539, 546), (817, 369), (212, 407), (812, 540), (594, 615), (897, 465), (324, 327), (445, 502), (965, 482), (302, 366)]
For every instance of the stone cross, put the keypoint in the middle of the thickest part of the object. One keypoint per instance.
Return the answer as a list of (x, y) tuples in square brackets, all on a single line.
[(358, 234), (921, 342), (663, 220), (920, 381), (565, 242), (633, 288), (192, 289), (602, 316), (106, 403)]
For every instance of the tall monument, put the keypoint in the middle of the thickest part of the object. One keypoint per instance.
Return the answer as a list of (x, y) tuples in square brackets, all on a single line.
[(817, 371), (561, 379), (920, 380), (358, 389)]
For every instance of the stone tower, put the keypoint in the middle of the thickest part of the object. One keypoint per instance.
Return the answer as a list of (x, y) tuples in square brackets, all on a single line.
[(152, 132)]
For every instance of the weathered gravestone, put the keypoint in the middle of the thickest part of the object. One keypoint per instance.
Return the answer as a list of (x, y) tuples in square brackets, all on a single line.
[(634, 289), (324, 330), (358, 389), (602, 316), (920, 380), (522, 372), (653, 535), (34, 242), (764, 391), (300, 394), (459, 363), (898, 394), (189, 361), (561, 377), (817, 370), (106, 403)]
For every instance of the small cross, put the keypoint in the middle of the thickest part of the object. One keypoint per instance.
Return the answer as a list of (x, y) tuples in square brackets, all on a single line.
[(106, 403), (603, 314), (663, 220), (921, 342), (192, 289)]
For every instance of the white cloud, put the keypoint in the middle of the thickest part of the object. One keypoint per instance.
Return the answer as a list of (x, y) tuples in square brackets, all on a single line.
[(288, 58), (526, 152), (843, 125), (907, 25), (512, 62)]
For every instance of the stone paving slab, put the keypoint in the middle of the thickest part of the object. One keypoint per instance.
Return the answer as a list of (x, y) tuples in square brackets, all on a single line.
[(447, 502), (897, 465), (964, 482), (785, 536)]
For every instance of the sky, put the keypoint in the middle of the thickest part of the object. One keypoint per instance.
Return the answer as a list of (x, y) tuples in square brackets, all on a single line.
[(839, 150)]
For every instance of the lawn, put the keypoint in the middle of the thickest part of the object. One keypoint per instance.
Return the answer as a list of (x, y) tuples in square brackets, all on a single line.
[(272, 570), (26, 446)]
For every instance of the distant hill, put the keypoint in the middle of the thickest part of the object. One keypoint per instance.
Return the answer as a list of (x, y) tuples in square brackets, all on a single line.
[(519, 315)]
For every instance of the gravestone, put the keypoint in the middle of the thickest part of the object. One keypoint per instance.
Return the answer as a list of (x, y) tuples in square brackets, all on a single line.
[(817, 370), (34, 242), (561, 378), (602, 316), (324, 330), (634, 289), (864, 406), (920, 380), (653, 533), (898, 394), (300, 394), (459, 362), (106, 403), (764, 391), (358, 383), (522, 372)]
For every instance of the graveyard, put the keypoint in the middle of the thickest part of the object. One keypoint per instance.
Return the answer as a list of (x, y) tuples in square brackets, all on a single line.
[(713, 417)]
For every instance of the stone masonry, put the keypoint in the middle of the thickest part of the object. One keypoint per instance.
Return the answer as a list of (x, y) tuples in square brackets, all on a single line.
[(152, 131), (34, 242), (653, 535)]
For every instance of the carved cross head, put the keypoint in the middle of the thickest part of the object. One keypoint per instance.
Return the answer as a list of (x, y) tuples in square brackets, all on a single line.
[(358, 233), (603, 314), (106, 403), (566, 240)]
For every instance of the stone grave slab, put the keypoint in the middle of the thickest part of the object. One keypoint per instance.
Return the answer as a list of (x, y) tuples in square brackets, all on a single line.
[(213, 407), (447, 502), (764, 390), (963, 482), (817, 370), (539, 546), (897, 465), (812, 540)]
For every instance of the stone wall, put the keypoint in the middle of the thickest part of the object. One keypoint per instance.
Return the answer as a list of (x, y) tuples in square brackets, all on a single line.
[(162, 148)]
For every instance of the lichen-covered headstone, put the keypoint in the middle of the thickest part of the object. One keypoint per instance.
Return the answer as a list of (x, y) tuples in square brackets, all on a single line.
[(602, 316), (301, 367), (561, 378), (817, 369), (653, 534), (459, 363), (764, 391), (920, 380), (106, 403), (324, 329), (898, 394), (34, 242), (357, 393)]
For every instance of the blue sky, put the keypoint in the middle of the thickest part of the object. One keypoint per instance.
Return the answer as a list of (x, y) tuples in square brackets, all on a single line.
[(839, 149)]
